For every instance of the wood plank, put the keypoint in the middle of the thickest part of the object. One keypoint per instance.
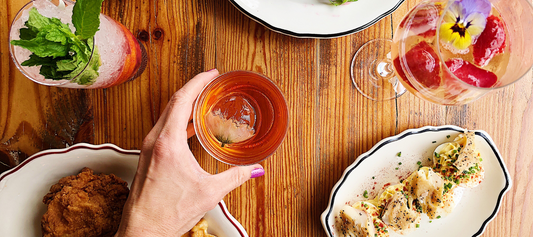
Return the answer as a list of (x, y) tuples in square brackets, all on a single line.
[(349, 123), (123, 114), (278, 203), (183, 50)]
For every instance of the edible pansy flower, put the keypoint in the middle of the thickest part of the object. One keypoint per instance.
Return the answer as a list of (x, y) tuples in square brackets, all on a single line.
[(463, 21)]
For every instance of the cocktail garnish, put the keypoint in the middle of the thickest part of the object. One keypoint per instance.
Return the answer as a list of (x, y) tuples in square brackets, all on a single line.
[(228, 131), (86, 17), (231, 120), (463, 21), (490, 42), (61, 53), (471, 74), (424, 65)]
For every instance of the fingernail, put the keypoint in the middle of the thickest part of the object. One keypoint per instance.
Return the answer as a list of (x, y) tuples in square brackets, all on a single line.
[(212, 69), (257, 172)]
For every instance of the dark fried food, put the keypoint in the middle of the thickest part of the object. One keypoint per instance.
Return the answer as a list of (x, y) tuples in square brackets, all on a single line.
[(84, 205), (199, 230)]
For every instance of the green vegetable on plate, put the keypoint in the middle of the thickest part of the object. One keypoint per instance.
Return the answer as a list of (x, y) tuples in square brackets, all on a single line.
[(340, 2)]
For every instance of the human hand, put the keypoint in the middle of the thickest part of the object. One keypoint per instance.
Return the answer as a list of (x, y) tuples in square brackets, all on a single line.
[(171, 192)]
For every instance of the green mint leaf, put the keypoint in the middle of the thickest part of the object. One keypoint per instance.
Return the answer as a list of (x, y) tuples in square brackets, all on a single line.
[(50, 72), (89, 75), (27, 34), (86, 17), (42, 47), (60, 53), (55, 35), (37, 21), (67, 65), (36, 61)]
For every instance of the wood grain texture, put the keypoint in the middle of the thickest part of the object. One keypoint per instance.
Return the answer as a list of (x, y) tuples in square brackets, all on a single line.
[(331, 123)]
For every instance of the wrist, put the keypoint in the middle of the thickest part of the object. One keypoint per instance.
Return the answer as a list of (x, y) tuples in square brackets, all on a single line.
[(134, 225)]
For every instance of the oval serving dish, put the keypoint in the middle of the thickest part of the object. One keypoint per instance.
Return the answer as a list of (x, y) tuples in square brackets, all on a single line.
[(23, 187), (381, 165)]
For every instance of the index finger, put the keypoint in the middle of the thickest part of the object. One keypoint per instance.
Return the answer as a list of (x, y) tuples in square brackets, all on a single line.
[(180, 105)]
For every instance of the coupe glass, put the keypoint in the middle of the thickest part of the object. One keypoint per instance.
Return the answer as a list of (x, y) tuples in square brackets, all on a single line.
[(449, 52), (122, 57)]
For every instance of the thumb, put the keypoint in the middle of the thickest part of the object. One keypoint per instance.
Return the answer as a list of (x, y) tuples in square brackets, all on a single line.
[(236, 176)]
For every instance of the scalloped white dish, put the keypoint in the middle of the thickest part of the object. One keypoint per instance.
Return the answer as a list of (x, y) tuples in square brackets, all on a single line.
[(316, 18), (381, 165), (23, 187)]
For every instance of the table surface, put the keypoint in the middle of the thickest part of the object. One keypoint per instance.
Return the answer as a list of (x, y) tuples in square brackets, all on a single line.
[(331, 123)]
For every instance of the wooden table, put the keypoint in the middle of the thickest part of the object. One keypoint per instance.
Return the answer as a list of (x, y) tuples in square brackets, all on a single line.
[(331, 123)]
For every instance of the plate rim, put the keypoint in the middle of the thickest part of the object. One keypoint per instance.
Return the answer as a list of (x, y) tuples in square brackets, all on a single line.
[(316, 35), (324, 217), (109, 146)]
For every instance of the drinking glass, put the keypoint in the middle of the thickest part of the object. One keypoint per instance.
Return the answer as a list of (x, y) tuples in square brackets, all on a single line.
[(241, 117), (122, 57), (449, 52)]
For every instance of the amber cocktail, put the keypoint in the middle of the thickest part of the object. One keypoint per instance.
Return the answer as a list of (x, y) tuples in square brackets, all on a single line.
[(241, 118)]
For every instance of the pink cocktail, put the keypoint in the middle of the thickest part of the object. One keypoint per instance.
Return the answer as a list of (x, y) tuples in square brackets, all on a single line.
[(117, 52), (449, 52)]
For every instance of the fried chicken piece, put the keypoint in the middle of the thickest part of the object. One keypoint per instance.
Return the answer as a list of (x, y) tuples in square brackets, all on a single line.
[(199, 230), (84, 205)]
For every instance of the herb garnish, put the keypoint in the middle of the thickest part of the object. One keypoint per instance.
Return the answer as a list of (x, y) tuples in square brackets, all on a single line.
[(340, 2), (61, 53), (86, 17)]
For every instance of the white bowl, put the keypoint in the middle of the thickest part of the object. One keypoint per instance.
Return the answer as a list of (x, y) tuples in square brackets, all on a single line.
[(477, 207), (316, 18), (23, 187)]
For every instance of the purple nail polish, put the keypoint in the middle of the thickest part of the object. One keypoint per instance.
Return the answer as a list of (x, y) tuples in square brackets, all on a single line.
[(257, 172), (212, 69)]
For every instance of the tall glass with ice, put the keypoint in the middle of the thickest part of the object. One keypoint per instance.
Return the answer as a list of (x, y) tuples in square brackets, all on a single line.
[(107, 58)]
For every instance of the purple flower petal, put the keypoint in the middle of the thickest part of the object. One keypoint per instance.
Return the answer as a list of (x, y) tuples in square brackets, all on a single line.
[(472, 6)]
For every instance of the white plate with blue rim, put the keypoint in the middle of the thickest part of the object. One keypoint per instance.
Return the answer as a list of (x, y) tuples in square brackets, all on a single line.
[(22, 188), (316, 18), (394, 158)]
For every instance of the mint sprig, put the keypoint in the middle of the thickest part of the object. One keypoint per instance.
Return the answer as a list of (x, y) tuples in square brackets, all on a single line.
[(86, 17), (62, 54)]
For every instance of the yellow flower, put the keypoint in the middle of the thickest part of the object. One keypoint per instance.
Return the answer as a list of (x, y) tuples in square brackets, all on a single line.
[(463, 21)]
